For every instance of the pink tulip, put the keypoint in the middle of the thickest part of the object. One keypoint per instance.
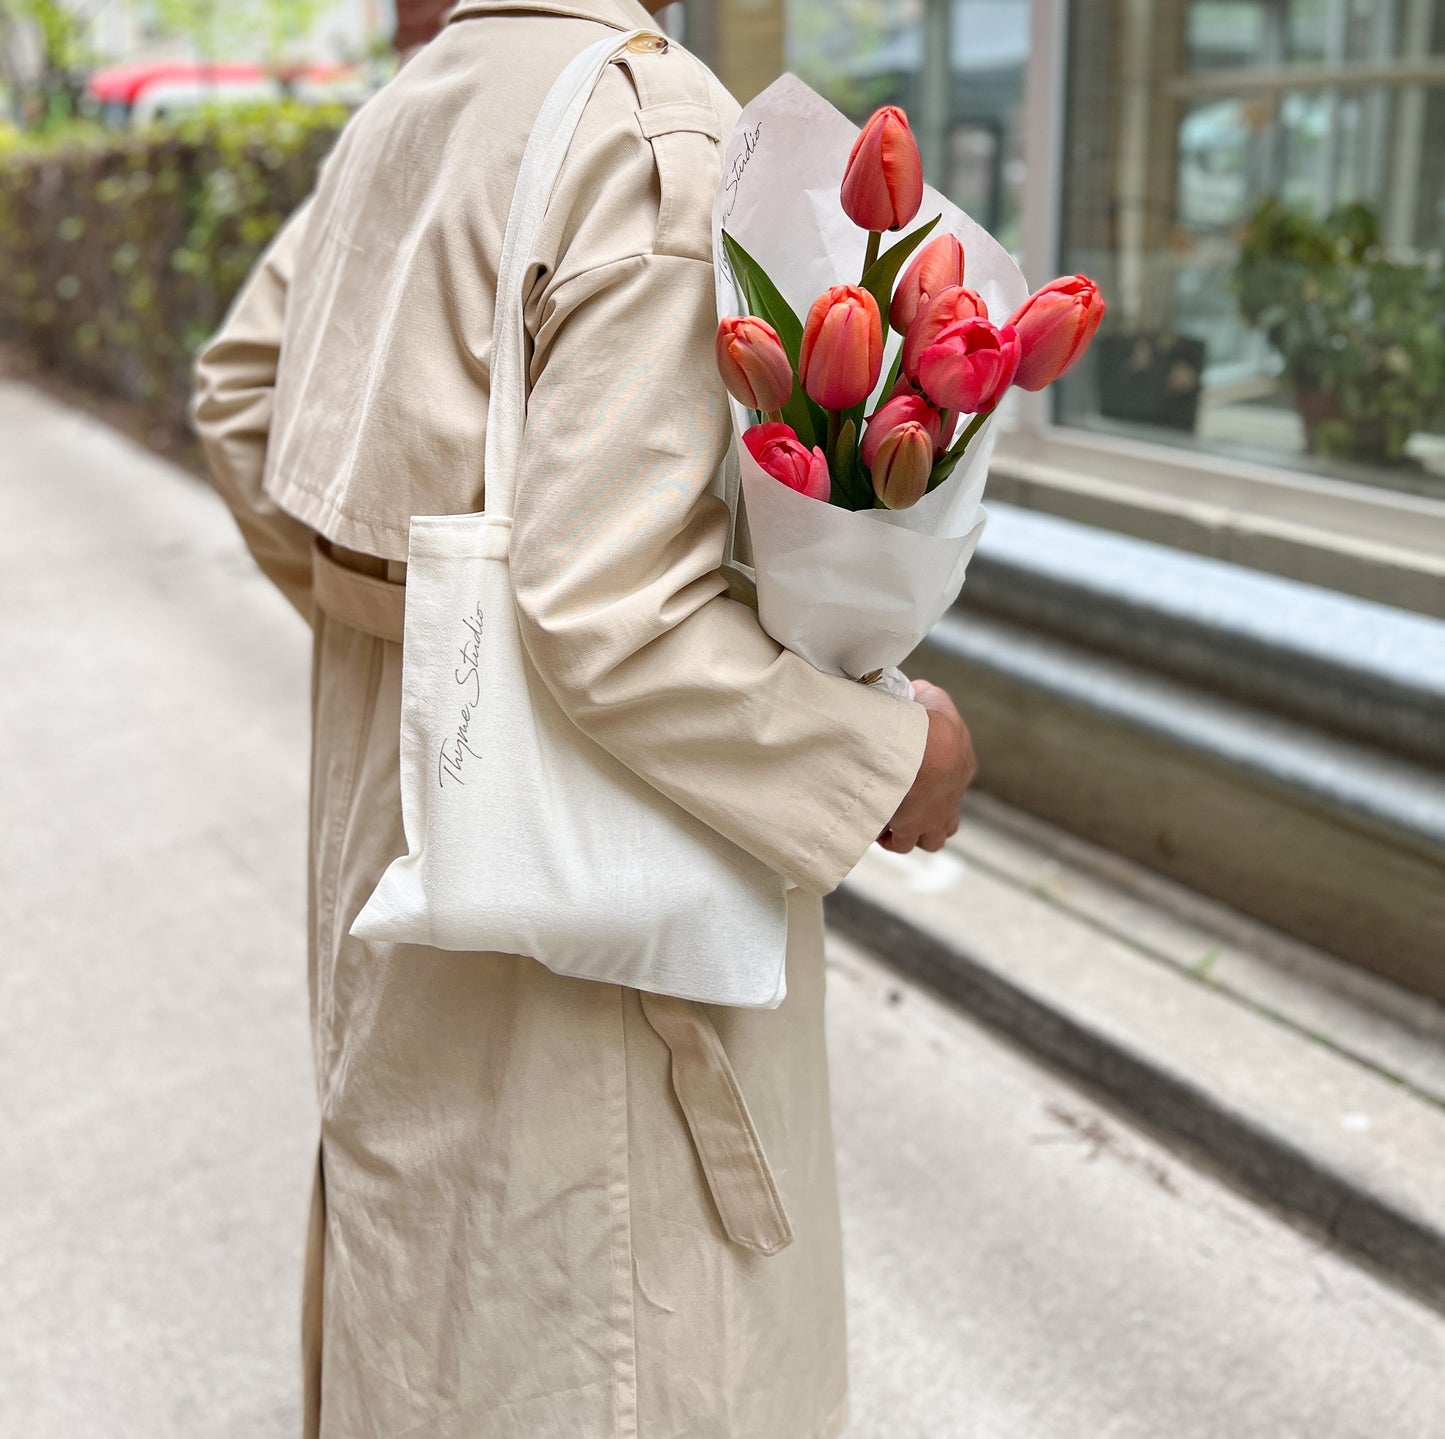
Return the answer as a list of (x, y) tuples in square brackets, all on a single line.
[(969, 365), (937, 266), (950, 305), (781, 454), (753, 364), (904, 386), (842, 351), (902, 409), (1055, 325), (901, 465), (883, 180)]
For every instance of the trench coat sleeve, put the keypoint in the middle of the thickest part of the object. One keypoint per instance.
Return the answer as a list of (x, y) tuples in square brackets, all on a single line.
[(235, 377), (616, 547)]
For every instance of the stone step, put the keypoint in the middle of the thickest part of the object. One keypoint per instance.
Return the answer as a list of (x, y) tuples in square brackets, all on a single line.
[(1365, 671), (1317, 1088), (1323, 837)]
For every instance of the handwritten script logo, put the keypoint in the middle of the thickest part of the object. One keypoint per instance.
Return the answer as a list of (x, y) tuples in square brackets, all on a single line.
[(452, 756), (735, 175)]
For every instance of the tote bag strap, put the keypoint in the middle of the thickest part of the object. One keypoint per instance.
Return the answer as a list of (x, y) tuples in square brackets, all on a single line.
[(541, 161)]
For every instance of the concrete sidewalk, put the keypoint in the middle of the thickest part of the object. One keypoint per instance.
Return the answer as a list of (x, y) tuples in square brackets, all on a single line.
[(1023, 1264)]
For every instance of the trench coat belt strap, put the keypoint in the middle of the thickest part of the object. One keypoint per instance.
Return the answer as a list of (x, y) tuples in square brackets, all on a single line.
[(733, 1162), (369, 603), (723, 1133)]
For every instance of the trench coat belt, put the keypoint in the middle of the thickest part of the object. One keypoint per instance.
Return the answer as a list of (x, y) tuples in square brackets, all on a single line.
[(723, 1134)]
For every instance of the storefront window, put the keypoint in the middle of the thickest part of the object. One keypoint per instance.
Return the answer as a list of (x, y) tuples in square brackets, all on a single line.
[(966, 110), (1259, 186)]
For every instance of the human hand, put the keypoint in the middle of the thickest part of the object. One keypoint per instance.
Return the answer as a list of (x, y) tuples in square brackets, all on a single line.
[(929, 812)]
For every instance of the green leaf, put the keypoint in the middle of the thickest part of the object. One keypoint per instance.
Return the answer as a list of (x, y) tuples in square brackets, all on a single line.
[(817, 417), (844, 456), (879, 277), (764, 300), (941, 471), (893, 372), (760, 291)]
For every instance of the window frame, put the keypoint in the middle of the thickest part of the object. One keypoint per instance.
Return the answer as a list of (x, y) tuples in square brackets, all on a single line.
[(1379, 544)]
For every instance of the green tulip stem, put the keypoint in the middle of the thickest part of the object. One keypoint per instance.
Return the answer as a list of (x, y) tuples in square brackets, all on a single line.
[(874, 238), (776, 416), (972, 428), (830, 445)]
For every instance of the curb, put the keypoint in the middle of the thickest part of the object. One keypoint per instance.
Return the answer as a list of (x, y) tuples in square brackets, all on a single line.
[(1259, 1159)]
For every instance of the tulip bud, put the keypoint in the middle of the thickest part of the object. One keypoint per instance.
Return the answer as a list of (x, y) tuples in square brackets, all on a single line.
[(937, 266), (753, 364), (901, 465), (842, 351), (782, 455), (948, 418), (888, 416), (883, 180), (950, 305), (1055, 325), (969, 365)]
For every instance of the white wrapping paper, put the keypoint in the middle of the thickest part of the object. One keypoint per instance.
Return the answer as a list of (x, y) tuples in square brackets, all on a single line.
[(851, 592)]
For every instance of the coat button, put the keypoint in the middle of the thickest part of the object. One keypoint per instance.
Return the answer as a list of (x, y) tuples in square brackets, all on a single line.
[(647, 44)]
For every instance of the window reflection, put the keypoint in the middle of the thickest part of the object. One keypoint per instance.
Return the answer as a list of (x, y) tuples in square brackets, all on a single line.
[(864, 53), (1183, 119)]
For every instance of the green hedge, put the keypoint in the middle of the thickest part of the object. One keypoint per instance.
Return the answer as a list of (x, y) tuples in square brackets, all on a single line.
[(119, 252)]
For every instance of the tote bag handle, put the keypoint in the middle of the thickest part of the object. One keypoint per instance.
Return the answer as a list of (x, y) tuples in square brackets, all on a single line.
[(541, 161)]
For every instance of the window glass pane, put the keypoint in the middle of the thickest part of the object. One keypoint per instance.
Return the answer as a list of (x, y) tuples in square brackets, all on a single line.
[(1270, 239), (864, 53)]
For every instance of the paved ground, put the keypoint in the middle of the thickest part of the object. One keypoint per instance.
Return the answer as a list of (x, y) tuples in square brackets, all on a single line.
[(1022, 1265)]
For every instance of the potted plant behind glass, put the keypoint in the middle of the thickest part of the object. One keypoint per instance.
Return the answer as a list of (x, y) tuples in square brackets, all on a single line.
[(1362, 336)]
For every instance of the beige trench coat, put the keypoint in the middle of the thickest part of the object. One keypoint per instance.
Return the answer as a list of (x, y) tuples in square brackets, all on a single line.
[(546, 1208)]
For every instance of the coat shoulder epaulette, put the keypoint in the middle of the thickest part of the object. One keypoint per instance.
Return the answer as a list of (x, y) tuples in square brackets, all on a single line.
[(677, 113)]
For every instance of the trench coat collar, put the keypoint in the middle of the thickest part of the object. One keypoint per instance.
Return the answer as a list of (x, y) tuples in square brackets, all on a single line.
[(620, 14)]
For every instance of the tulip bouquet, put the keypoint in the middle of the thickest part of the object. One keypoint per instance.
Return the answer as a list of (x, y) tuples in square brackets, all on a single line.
[(862, 475)]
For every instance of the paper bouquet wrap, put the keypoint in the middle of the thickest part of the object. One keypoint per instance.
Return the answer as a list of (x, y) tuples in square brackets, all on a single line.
[(851, 591)]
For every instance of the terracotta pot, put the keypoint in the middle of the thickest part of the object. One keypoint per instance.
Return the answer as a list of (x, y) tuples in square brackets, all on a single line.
[(1365, 440)]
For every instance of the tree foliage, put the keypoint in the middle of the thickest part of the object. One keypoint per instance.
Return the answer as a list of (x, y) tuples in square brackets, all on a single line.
[(47, 92)]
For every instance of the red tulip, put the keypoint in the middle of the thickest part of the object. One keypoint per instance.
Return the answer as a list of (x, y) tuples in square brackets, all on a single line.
[(969, 365), (752, 362), (902, 409), (781, 454), (937, 266), (950, 305), (883, 180), (1055, 325), (901, 465), (842, 351)]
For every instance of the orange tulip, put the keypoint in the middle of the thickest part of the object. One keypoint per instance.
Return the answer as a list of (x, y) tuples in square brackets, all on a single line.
[(950, 305), (842, 351), (1055, 325), (779, 451), (902, 464), (901, 409), (969, 365), (883, 180), (753, 364), (937, 266)]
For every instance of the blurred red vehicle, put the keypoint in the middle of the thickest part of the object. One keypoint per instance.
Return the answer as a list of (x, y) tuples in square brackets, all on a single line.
[(138, 93)]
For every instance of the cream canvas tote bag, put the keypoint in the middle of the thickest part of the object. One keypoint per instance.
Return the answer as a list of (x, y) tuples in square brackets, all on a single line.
[(523, 835)]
